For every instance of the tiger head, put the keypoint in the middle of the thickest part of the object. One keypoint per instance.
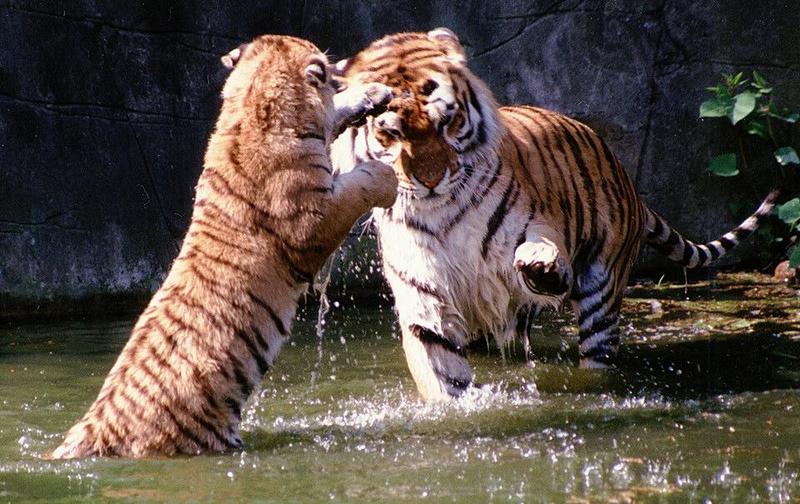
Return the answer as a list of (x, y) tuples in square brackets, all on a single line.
[(440, 116), (282, 83)]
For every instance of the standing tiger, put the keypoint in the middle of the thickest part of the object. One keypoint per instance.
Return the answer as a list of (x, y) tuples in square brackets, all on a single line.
[(500, 212), (268, 213)]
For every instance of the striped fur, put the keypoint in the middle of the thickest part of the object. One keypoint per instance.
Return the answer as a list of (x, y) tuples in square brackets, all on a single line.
[(501, 212), (268, 212)]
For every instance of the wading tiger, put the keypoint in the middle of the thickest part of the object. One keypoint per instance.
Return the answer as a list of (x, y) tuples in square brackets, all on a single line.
[(268, 213), (500, 212)]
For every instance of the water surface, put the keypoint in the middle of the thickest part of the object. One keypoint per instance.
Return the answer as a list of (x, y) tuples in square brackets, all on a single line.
[(705, 406)]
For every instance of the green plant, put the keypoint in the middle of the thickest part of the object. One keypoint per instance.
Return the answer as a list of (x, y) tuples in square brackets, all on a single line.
[(748, 105)]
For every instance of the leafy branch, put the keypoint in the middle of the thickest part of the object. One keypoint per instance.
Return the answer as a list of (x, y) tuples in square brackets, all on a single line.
[(749, 107)]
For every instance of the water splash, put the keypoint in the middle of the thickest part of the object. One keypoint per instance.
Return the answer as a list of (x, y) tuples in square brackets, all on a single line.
[(321, 282)]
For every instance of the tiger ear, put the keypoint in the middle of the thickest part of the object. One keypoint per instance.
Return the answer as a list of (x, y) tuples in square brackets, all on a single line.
[(450, 43), (341, 67), (233, 57), (316, 73)]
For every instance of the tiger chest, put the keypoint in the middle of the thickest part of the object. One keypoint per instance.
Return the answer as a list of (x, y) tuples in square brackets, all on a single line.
[(459, 276)]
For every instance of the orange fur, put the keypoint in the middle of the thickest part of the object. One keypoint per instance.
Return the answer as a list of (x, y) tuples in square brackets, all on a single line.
[(268, 213)]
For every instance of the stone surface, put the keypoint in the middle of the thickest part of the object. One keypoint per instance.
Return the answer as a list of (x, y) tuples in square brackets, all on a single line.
[(105, 109)]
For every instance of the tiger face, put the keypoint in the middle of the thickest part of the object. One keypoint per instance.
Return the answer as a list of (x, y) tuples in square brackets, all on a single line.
[(439, 114)]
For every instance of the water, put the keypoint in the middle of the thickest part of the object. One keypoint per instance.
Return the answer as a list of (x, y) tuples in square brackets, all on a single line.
[(706, 406)]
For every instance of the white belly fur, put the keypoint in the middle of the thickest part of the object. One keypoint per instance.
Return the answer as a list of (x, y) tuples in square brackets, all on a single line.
[(481, 295)]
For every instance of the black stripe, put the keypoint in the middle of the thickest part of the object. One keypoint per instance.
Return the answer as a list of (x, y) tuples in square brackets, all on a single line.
[(375, 66), (702, 255), (564, 200), (601, 325), (655, 234), (262, 342), (540, 151), (587, 136), (270, 311), (604, 352), (245, 386), (432, 55), (117, 416), (428, 337), (726, 243), (454, 382), (497, 217), (473, 100), (413, 282), (474, 201), (418, 226), (320, 166), (687, 252), (221, 241), (523, 321), (254, 352), (581, 295), (523, 165), (588, 184), (616, 187), (311, 134), (182, 428), (588, 311), (668, 246), (220, 214), (366, 146), (218, 260), (715, 254)]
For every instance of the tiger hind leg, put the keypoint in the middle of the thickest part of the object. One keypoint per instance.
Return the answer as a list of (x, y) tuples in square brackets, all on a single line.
[(541, 263), (439, 367), (596, 301)]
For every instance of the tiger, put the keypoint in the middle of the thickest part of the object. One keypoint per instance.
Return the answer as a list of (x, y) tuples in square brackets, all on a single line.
[(501, 212), (268, 212)]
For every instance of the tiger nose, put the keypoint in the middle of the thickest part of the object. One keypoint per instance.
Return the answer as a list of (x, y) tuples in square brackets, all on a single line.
[(430, 181)]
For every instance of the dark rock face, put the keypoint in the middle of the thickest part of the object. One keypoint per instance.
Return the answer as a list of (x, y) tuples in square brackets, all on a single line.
[(106, 107)]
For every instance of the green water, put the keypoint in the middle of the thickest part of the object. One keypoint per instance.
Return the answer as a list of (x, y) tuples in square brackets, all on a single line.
[(706, 406)]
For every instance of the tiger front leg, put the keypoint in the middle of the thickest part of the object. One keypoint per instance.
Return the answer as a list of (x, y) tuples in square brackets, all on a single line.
[(439, 366), (541, 262), (368, 185)]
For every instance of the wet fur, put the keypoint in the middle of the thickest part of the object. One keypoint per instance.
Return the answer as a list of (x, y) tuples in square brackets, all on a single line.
[(502, 211), (268, 212)]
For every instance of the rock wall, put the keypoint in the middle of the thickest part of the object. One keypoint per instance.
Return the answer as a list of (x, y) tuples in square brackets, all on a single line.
[(105, 109)]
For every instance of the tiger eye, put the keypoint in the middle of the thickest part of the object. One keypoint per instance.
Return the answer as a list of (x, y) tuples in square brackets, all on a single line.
[(429, 87)]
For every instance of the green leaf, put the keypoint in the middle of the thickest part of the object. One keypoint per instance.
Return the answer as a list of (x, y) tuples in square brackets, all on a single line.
[(758, 79), (792, 118), (734, 81), (787, 155), (794, 257), (716, 107), (789, 212), (743, 104), (758, 128), (724, 165)]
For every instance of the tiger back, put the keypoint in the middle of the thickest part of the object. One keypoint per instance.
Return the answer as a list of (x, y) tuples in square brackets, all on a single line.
[(268, 212), (501, 212)]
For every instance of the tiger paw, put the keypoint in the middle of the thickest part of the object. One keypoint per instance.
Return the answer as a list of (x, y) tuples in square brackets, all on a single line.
[(541, 268), (380, 183), (355, 103)]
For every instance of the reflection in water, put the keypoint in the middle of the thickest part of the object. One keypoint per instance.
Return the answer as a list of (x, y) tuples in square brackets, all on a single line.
[(704, 406)]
